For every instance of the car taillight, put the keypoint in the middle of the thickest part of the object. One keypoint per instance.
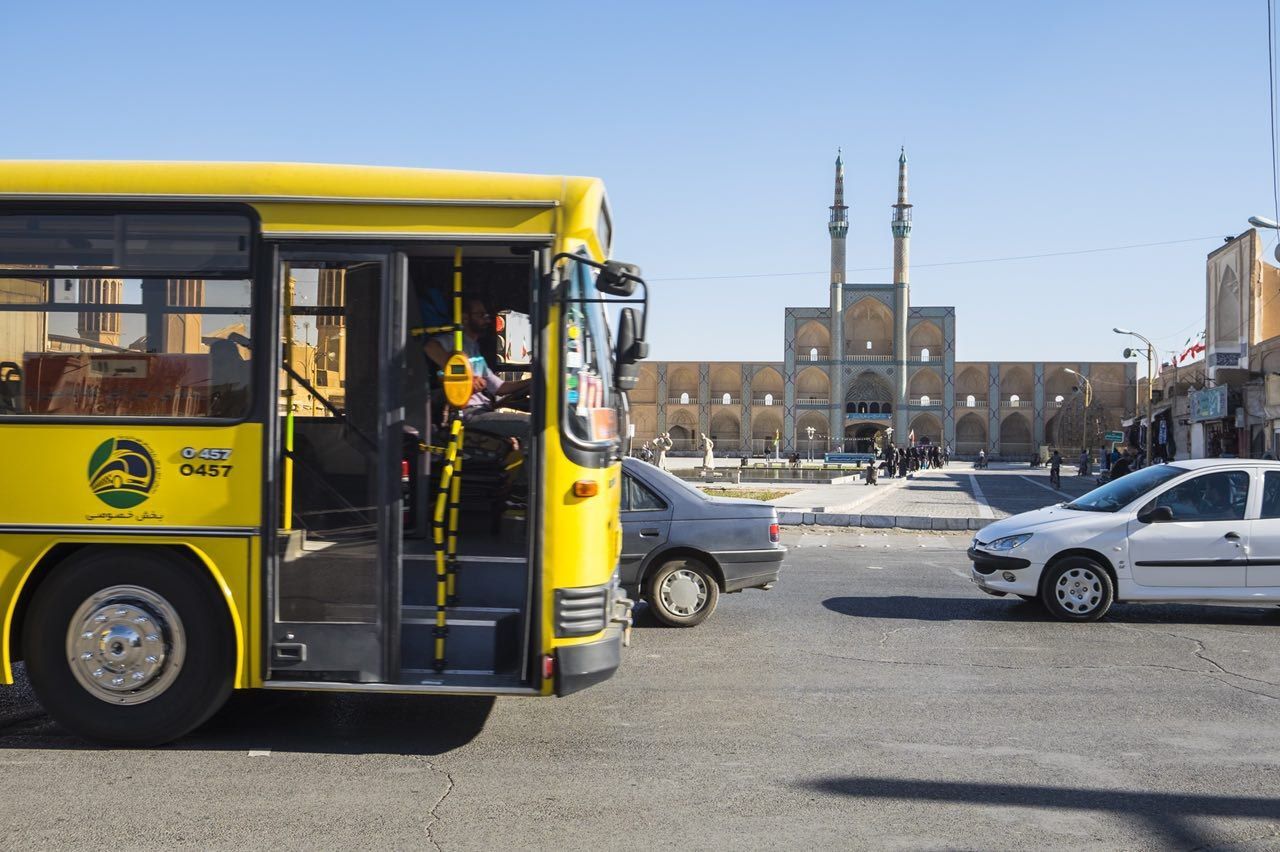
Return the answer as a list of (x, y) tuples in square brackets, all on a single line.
[(775, 534), (404, 470)]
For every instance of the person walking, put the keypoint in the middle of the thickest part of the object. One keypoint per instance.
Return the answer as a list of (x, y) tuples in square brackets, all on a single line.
[(1055, 469), (1084, 464)]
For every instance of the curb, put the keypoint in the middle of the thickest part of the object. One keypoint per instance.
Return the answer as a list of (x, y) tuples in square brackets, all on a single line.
[(903, 522)]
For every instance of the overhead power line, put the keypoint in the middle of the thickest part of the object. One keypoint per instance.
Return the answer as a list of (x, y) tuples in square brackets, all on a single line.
[(942, 263)]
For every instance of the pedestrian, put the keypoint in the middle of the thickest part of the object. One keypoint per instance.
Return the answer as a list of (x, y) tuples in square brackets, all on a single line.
[(1121, 467), (982, 459), (1084, 463), (1055, 469), (890, 461), (1105, 461)]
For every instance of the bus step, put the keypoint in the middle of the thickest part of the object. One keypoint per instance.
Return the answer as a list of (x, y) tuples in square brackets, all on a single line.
[(480, 639), (480, 582)]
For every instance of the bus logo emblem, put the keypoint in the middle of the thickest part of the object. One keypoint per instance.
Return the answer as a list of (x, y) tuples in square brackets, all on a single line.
[(122, 472)]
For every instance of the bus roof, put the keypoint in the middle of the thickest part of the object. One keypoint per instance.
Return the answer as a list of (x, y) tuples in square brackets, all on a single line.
[(310, 199)]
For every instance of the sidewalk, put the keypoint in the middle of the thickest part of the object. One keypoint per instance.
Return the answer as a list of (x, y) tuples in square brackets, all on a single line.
[(956, 497)]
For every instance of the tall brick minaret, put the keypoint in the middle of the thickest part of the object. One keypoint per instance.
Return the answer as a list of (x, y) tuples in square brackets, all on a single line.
[(838, 227), (900, 223)]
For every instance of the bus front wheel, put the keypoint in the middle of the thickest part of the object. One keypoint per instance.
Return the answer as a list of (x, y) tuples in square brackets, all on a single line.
[(129, 646)]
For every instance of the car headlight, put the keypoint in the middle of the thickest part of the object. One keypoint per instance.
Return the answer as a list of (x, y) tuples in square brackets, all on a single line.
[(1012, 542)]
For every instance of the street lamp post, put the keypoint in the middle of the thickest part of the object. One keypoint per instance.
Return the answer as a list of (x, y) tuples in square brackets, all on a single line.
[(1150, 378), (1084, 411)]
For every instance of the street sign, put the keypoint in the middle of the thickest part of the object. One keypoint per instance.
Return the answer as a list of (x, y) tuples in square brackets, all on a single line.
[(1114, 436)]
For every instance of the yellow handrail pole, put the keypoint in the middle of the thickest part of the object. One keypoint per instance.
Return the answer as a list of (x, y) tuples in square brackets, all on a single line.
[(287, 472)]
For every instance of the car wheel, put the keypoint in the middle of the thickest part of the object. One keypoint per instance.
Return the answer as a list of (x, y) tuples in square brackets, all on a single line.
[(129, 646), (1077, 589), (682, 593)]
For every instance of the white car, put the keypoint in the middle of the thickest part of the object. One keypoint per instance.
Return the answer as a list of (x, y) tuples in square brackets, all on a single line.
[(1204, 531)]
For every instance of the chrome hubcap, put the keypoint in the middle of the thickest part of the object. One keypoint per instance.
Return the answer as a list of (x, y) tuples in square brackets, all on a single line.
[(684, 592), (125, 644), (1079, 591)]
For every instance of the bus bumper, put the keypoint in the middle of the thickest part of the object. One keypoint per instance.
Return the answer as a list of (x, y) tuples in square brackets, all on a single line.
[(580, 666)]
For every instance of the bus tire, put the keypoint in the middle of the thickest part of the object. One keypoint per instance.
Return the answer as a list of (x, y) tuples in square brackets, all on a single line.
[(682, 593), (129, 646)]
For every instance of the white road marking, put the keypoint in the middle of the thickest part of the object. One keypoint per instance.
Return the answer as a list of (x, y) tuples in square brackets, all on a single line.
[(259, 752), (1046, 487), (984, 510)]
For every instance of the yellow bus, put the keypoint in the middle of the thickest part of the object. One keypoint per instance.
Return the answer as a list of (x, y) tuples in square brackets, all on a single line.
[(306, 427)]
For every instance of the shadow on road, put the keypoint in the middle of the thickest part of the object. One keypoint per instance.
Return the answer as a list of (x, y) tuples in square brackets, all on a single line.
[(1014, 609), (343, 723), (1168, 816), (322, 723)]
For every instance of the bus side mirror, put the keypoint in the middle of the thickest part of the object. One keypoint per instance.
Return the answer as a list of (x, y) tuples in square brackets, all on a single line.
[(631, 351), (618, 278)]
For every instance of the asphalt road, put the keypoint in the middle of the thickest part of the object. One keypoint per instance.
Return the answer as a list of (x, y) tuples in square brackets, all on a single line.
[(874, 699)]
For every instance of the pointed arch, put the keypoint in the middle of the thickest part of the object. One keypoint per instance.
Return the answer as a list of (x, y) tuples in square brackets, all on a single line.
[(925, 340), (1015, 436), (971, 434), (925, 382), (868, 320), (812, 383), (927, 428), (726, 428)]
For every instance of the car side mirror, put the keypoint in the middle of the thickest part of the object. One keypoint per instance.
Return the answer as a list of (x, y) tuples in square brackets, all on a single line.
[(1158, 515)]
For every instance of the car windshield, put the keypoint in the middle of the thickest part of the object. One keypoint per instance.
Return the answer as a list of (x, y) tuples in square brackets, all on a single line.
[(1120, 493)]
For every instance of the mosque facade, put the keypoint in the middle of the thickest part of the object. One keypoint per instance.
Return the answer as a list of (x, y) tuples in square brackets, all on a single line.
[(869, 368)]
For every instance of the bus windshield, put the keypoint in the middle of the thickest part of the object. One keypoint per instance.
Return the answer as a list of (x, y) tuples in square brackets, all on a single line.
[(588, 389)]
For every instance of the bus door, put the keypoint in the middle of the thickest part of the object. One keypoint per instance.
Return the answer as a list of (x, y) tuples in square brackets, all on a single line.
[(336, 580)]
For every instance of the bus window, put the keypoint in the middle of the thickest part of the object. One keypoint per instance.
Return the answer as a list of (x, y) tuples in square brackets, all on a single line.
[(127, 347)]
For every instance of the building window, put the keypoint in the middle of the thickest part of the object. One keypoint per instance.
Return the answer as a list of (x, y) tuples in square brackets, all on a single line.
[(1014, 400), (970, 401), (684, 399), (924, 400), (875, 408), (768, 399), (924, 354), (724, 400), (813, 354)]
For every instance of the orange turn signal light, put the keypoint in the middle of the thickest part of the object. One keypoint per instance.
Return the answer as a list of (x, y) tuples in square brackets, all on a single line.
[(586, 488)]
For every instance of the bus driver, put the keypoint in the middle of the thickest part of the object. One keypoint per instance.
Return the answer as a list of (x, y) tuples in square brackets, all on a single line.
[(486, 385)]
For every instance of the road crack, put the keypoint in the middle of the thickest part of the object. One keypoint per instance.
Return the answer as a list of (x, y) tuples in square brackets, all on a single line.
[(434, 812), (1199, 651)]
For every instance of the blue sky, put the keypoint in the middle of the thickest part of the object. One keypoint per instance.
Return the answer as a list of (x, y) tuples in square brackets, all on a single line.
[(1031, 128)]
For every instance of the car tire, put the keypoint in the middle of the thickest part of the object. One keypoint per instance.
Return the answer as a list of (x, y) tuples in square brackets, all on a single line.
[(151, 622), (1077, 589), (682, 593)]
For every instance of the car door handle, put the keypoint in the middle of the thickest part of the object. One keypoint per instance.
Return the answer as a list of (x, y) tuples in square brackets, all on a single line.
[(650, 532), (1232, 536)]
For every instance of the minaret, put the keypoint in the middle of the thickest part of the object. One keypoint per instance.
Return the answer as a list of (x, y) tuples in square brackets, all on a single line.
[(901, 226), (838, 227)]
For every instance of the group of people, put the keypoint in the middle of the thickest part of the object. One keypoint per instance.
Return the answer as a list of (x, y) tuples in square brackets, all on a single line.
[(904, 460)]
